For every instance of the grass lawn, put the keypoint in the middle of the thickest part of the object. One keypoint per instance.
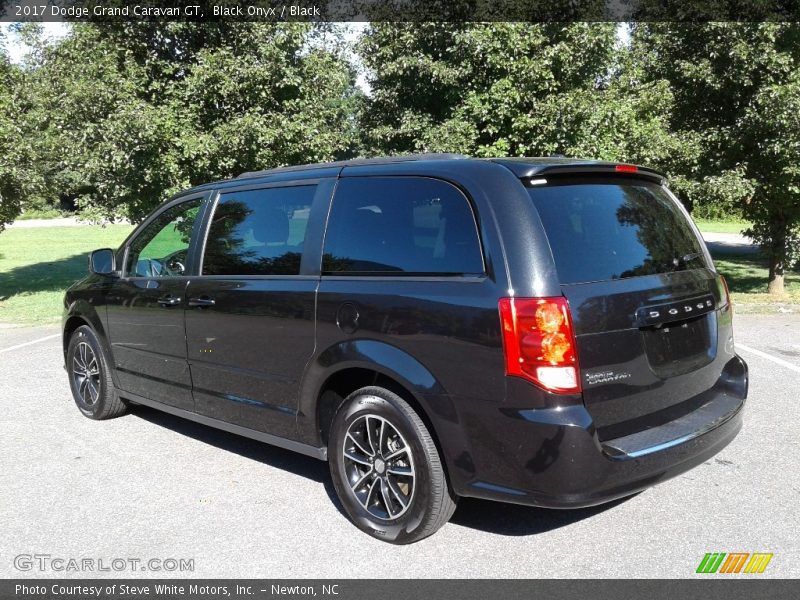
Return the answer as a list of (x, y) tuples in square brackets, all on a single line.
[(38, 264), (721, 226), (747, 279)]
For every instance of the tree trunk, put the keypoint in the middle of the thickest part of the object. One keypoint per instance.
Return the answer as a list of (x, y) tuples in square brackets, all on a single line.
[(776, 267), (776, 248)]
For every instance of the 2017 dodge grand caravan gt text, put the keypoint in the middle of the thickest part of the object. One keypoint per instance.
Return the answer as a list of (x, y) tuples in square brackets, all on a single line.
[(549, 332)]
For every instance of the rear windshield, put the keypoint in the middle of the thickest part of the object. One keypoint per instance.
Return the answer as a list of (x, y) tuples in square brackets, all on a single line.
[(614, 230)]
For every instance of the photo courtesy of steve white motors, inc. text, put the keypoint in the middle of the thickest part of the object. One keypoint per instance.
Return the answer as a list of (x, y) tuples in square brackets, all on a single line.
[(170, 589), (277, 11)]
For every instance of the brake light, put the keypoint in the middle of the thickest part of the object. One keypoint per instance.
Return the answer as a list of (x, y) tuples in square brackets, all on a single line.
[(626, 168), (539, 343)]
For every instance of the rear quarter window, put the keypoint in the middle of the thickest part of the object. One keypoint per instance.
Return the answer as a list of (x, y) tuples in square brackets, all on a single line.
[(614, 230), (401, 225)]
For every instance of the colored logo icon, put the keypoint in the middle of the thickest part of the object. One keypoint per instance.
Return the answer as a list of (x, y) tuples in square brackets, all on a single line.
[(734, 562)]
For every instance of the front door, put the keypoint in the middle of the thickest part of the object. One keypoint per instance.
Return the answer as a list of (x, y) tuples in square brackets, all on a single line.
[(145, 307), (250, 315)]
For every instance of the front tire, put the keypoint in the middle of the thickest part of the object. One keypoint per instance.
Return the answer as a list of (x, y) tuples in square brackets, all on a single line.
[(386, 468), (90, 377)]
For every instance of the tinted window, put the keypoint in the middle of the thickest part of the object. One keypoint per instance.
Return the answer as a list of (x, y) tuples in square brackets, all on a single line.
[(258, 232), (603, 231), (401, 224), (160, 249)]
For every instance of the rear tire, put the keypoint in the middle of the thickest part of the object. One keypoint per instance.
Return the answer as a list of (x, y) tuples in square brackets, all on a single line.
[(386, 468), (90, 377)]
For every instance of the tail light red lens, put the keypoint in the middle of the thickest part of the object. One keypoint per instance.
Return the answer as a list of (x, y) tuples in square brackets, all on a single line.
[(727, 291), (539, 342), (626, 168)]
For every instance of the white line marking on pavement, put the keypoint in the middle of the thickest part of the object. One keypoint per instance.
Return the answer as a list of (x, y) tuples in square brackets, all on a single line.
[(44, 339), (775, 359)]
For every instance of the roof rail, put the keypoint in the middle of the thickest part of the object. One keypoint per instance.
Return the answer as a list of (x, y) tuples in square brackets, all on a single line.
[(353, 162)]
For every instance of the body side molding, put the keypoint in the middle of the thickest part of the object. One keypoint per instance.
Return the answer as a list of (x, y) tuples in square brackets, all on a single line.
[(320, 453)]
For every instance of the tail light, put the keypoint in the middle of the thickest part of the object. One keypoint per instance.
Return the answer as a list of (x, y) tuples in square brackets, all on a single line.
[(727, 291), (539, 342), (626, 168)]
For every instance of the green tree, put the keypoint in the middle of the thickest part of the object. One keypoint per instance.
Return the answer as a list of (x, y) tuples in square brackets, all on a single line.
[(736, 93), (626, 118), (10, 176), (132, 112), (485, 89), (518, 89)]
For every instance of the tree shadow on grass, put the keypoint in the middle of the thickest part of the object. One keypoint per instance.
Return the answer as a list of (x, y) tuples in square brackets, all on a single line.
[(47, 276), (744, 273), (748, 273)]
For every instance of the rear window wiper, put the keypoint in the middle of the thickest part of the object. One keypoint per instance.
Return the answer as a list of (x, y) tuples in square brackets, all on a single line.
[(682, 261)]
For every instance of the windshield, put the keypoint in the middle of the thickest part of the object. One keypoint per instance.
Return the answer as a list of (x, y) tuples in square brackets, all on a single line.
[(615, 230)]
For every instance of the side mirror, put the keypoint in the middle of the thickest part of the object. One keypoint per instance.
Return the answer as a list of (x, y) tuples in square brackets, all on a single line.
[(102, 262)]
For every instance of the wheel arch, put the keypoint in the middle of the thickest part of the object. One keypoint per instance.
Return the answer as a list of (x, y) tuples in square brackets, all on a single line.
[(80, 315), (70, 325), (354, 364)]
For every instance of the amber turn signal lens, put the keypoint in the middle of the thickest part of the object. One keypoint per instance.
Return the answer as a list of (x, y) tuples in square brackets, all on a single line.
[(549, 317)]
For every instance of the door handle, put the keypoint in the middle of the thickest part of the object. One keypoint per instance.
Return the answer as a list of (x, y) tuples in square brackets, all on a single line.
[(169, 300), (201, 301)]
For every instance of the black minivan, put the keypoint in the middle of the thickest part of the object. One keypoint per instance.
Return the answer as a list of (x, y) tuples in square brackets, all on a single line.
[(543, 331)]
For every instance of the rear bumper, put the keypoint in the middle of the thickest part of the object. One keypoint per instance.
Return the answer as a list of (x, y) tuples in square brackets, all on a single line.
[(554, 458)]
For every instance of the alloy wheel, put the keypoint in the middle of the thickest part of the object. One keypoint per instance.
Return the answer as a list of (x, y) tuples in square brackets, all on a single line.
[(379, 467), (86, 374)]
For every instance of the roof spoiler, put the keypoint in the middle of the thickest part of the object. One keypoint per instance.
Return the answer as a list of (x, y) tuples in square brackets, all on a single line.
[(598, 169)]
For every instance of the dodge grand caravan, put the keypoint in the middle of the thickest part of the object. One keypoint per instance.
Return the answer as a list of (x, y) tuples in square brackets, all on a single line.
[(549, 332)]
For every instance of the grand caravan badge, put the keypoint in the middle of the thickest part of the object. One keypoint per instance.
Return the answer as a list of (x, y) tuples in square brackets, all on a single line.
[(599, 377)]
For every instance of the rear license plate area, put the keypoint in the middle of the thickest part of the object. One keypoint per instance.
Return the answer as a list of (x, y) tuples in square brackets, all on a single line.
[(680, 346)]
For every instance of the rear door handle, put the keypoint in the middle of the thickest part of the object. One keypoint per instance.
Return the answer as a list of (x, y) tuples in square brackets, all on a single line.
[(201, 301), (169, 300)]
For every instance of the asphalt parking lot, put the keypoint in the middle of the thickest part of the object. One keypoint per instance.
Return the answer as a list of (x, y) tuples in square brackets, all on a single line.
[(151, 486)]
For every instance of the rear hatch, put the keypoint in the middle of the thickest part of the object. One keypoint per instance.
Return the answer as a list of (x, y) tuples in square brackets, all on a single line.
[(642, 292)]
